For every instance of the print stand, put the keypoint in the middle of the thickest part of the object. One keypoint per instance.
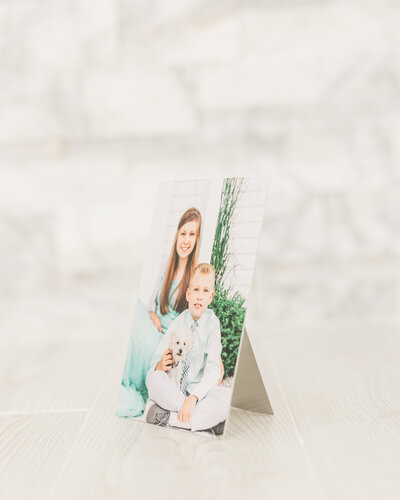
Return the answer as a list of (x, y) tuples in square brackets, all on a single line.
[(248, 390)]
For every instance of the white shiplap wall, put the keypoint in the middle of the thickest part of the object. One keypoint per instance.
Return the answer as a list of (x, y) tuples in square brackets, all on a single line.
[(173, 199), (245, 235), (176, 197)]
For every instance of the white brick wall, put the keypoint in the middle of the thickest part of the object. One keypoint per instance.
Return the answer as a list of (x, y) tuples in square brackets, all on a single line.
[(173, 199), (246, 230), (176, 197)]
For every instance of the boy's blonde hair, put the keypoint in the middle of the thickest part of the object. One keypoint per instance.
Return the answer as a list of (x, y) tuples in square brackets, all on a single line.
[(205, 269)]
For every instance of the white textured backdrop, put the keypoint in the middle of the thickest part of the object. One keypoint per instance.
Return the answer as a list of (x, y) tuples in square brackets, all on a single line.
[(101, 99)]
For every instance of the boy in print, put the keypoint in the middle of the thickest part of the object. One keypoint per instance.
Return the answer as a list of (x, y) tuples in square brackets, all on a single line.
[(199, 403)]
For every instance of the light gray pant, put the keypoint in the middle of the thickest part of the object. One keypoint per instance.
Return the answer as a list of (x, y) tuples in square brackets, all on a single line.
[(210, 411)]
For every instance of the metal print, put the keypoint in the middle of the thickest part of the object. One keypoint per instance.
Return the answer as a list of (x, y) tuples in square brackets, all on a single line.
[(190, 312)]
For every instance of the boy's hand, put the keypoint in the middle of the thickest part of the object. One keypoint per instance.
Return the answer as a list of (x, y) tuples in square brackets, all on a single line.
[(185, 413), (165, 362), (156, 320)]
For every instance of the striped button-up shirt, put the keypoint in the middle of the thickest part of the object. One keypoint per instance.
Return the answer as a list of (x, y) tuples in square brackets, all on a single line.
[(204, 371)]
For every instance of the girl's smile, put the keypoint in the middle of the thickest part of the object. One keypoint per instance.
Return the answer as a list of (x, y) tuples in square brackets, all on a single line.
[(186, 239)]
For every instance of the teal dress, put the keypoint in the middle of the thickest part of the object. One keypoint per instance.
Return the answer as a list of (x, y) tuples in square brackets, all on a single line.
[(143, 343)]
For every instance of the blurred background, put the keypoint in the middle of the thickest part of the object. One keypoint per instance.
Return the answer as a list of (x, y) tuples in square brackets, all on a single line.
[(102, 99)]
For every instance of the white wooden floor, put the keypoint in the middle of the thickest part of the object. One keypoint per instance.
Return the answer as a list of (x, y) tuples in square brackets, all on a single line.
[(335, 392)]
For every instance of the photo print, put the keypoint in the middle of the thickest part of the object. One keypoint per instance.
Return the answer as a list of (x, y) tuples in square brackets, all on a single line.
[(189, 316)]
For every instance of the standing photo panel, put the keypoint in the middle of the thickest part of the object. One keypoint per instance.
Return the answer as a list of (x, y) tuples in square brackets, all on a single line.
[(183, 368)]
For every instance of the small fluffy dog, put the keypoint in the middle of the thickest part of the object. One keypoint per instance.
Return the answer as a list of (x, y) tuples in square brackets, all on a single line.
[(180, 343)]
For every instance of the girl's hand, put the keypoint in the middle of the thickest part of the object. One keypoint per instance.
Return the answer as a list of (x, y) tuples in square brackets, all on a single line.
[(222, 371), (165, 362), (156, 320), (185, 413)]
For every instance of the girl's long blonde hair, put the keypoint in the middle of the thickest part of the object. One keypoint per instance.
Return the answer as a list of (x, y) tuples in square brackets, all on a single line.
[(192, 214)]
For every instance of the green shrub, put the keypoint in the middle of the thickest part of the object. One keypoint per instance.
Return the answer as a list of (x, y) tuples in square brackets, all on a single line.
[(230, 311), (220, 256), (228, 308)]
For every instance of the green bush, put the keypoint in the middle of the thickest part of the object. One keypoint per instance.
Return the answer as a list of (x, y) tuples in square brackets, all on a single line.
[(230, 311), (228, 308)]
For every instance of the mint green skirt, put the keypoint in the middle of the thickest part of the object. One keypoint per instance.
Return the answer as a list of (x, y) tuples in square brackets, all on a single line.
[(143, 343)]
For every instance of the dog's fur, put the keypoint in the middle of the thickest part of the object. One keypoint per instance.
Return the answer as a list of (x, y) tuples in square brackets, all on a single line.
[(180, 343)]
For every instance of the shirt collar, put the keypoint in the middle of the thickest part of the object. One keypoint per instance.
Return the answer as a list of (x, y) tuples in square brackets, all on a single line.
[(201, 321)]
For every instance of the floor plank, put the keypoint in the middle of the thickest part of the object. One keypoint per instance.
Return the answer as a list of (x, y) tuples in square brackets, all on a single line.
[(33, 449), (342, 386), (335, 432), (117, 458)]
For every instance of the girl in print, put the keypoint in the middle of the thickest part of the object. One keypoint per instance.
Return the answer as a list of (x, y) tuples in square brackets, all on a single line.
[(152, 320)]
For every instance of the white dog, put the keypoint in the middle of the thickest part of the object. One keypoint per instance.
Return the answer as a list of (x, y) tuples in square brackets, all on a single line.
[(180, 343)]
